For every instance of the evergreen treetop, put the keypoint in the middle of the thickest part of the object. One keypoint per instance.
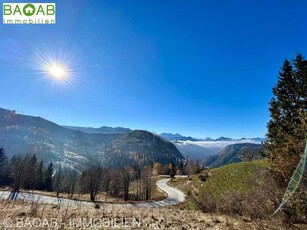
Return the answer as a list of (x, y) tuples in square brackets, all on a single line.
[(287, 127)]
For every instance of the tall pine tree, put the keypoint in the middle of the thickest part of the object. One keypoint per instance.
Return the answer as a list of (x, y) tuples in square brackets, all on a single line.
[(31, 173), (288, 125), (4, 169), (40, 176), (48, 177)]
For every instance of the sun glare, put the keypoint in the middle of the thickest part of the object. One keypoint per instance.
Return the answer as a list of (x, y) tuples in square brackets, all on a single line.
[(57, 72), (59, 66)]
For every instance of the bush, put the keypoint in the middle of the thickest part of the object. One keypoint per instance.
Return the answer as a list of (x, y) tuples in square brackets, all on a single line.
[(296, 210), (207, 203)]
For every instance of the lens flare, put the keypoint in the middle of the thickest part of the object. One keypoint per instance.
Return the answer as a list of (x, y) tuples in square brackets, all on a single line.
[(57, 65)]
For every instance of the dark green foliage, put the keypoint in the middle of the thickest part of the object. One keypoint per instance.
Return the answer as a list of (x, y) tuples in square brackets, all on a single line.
[(288, 125), (4, 168), (40, 176), (26, 172), (48, 177), (3, 160), (31, 173), (58, 181), (18, 165)]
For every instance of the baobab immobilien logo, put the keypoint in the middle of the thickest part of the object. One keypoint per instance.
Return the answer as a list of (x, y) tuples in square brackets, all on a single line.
[(29, 13)]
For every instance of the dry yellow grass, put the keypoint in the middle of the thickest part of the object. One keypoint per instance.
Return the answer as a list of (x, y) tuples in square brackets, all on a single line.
[(38, 216)]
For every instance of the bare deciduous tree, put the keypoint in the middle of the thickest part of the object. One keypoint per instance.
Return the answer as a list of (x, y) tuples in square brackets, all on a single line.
[(91, 180)]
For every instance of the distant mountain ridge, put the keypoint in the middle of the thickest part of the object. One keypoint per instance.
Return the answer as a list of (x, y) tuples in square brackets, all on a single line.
[(198, 149), (73, 148), (179, 137), (223, 139), (102, 130)]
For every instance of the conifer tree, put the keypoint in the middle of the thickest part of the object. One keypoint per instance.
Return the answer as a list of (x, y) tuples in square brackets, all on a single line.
[(40, 176), (31, 172), (4, 177), (18, 166), (58, 181), (288, 124), (3, 159), (48, 177)]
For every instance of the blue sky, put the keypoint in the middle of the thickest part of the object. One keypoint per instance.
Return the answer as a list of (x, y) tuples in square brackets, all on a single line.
[(199, 68)]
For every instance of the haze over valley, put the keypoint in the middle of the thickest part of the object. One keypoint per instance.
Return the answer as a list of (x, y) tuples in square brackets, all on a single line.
[(75, 146)]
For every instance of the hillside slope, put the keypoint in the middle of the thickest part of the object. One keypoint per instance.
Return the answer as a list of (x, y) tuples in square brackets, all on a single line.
[(198, 150), (246, 188), (142, 147), (232, 154), (72, 148)]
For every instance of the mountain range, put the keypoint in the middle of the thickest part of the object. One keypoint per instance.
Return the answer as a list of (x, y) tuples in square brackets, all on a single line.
[(102, 130), (77, 148), (198, 150), (74, 146), (179, 137)]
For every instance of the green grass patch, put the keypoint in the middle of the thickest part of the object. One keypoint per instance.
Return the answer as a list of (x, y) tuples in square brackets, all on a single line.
[(238, 177)]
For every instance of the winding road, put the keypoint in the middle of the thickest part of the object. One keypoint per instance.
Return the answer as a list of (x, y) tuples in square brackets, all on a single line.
[(174, 196)]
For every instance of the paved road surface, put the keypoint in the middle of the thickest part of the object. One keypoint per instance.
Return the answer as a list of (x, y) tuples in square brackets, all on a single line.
[(174, 197)]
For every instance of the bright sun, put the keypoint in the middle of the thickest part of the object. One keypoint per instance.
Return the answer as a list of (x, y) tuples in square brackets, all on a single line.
[(57, 71), (57, 67)]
